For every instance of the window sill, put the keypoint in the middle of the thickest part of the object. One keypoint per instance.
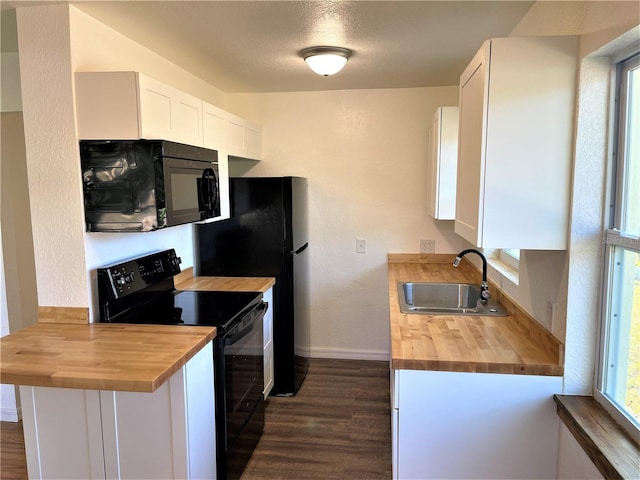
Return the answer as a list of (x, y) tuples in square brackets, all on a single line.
[(507, 271), (613, 453)]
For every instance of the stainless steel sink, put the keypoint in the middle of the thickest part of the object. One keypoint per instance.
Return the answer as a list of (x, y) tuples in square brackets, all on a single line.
[(445, 299)]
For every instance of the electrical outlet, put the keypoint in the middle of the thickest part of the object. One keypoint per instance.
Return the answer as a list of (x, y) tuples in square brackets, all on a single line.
[(427, 246), (361, 245)]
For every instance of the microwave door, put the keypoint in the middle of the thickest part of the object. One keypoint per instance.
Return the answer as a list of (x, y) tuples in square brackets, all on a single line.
[(182, 191), (208, 192)]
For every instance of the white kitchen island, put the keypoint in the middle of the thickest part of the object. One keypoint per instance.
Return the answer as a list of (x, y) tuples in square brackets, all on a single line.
[(115, 401)]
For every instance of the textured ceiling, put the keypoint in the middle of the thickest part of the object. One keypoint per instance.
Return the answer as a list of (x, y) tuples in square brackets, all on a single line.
[(253, 46)]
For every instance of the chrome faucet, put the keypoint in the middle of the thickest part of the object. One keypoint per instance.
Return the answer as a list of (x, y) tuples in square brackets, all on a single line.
[(484, 287)]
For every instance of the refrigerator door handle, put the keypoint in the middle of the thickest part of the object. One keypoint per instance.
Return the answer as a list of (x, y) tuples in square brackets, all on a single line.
[(301, 249)]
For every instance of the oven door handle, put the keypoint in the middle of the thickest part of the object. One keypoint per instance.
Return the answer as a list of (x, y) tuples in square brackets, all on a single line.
[(255, 314)]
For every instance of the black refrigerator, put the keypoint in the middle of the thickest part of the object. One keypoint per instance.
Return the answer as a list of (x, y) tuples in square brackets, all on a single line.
[(267, 235)]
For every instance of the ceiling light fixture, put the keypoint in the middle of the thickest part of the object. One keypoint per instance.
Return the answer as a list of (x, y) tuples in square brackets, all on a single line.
[(326, 60)]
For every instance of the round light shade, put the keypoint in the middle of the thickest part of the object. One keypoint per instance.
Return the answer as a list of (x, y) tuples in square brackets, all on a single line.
[(326, 60)]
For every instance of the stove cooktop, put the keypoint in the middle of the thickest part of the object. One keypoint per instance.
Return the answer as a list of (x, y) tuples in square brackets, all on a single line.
[(218, 309)]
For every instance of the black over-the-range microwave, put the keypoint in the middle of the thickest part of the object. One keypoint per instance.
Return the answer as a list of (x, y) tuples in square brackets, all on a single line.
[(144, 185)]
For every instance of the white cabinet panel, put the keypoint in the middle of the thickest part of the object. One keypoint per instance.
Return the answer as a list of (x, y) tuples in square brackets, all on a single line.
[(62, 433), (138, 435), (475, 425), (200, 414), (213, 120), (186, 118), (242, 138), (213, 136), (268, 343), (443, 163), (517, 100), (155, 109)]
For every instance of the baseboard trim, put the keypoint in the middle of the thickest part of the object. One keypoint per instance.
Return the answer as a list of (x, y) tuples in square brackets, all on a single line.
[(346, 354), (10, 414)]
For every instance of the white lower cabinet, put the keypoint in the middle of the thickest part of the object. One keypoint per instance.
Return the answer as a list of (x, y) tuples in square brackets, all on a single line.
[(268, 343), (170, 433), (473, 425)]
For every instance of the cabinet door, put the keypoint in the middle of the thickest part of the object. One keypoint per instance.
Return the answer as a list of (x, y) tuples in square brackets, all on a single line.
[(242, 138), (268, 343), (169, 433), (395, 414), (169, 114), (471, 138), (476, 425), (62, 432), (253, 141), (186, 119), (432, 166), (517, 107), (155, 109), (529, 142), (443, 163), (213, 120)]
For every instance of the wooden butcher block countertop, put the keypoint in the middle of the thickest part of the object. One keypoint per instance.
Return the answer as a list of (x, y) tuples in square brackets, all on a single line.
[(186, 281), (97, 356), (516, 344)]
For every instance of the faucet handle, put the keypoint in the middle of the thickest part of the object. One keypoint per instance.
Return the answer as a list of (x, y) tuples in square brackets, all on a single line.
[(484, 291)]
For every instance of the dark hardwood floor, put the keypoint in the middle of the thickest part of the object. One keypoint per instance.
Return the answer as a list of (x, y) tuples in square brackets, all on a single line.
[(338, 426), (13, 463)]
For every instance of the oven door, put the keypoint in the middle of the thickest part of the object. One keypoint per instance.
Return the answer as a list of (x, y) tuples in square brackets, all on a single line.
[(244, 372)]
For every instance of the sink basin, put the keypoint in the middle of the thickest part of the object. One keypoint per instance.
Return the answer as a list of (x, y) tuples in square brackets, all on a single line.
[(445, 299)]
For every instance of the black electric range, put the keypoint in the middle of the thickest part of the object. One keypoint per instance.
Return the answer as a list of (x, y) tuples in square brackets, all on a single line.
[(142, 291)]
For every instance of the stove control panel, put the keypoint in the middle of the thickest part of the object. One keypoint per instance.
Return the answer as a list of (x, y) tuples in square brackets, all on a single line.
[(133, 276)]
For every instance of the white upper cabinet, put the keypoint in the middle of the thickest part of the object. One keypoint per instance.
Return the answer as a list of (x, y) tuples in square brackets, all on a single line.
[(213, 133), (130, 105), (213, 126), (243, 138), (515, 143), (443, 162)]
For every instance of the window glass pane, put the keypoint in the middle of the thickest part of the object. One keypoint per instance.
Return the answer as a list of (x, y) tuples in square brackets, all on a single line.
[(622, 367), (513, 252), (631, 195)]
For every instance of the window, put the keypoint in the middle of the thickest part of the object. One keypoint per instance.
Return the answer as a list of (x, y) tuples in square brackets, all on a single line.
[(510, 256), (618, 382)]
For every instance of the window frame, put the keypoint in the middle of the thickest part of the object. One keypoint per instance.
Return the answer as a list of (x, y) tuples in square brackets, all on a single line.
[(612, 236)]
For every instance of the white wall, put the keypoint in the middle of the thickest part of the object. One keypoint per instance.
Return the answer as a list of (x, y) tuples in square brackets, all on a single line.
[(365, 154), (51, 147)]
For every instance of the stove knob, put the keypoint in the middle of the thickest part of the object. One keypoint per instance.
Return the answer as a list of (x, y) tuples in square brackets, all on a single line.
[(120, 281)]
